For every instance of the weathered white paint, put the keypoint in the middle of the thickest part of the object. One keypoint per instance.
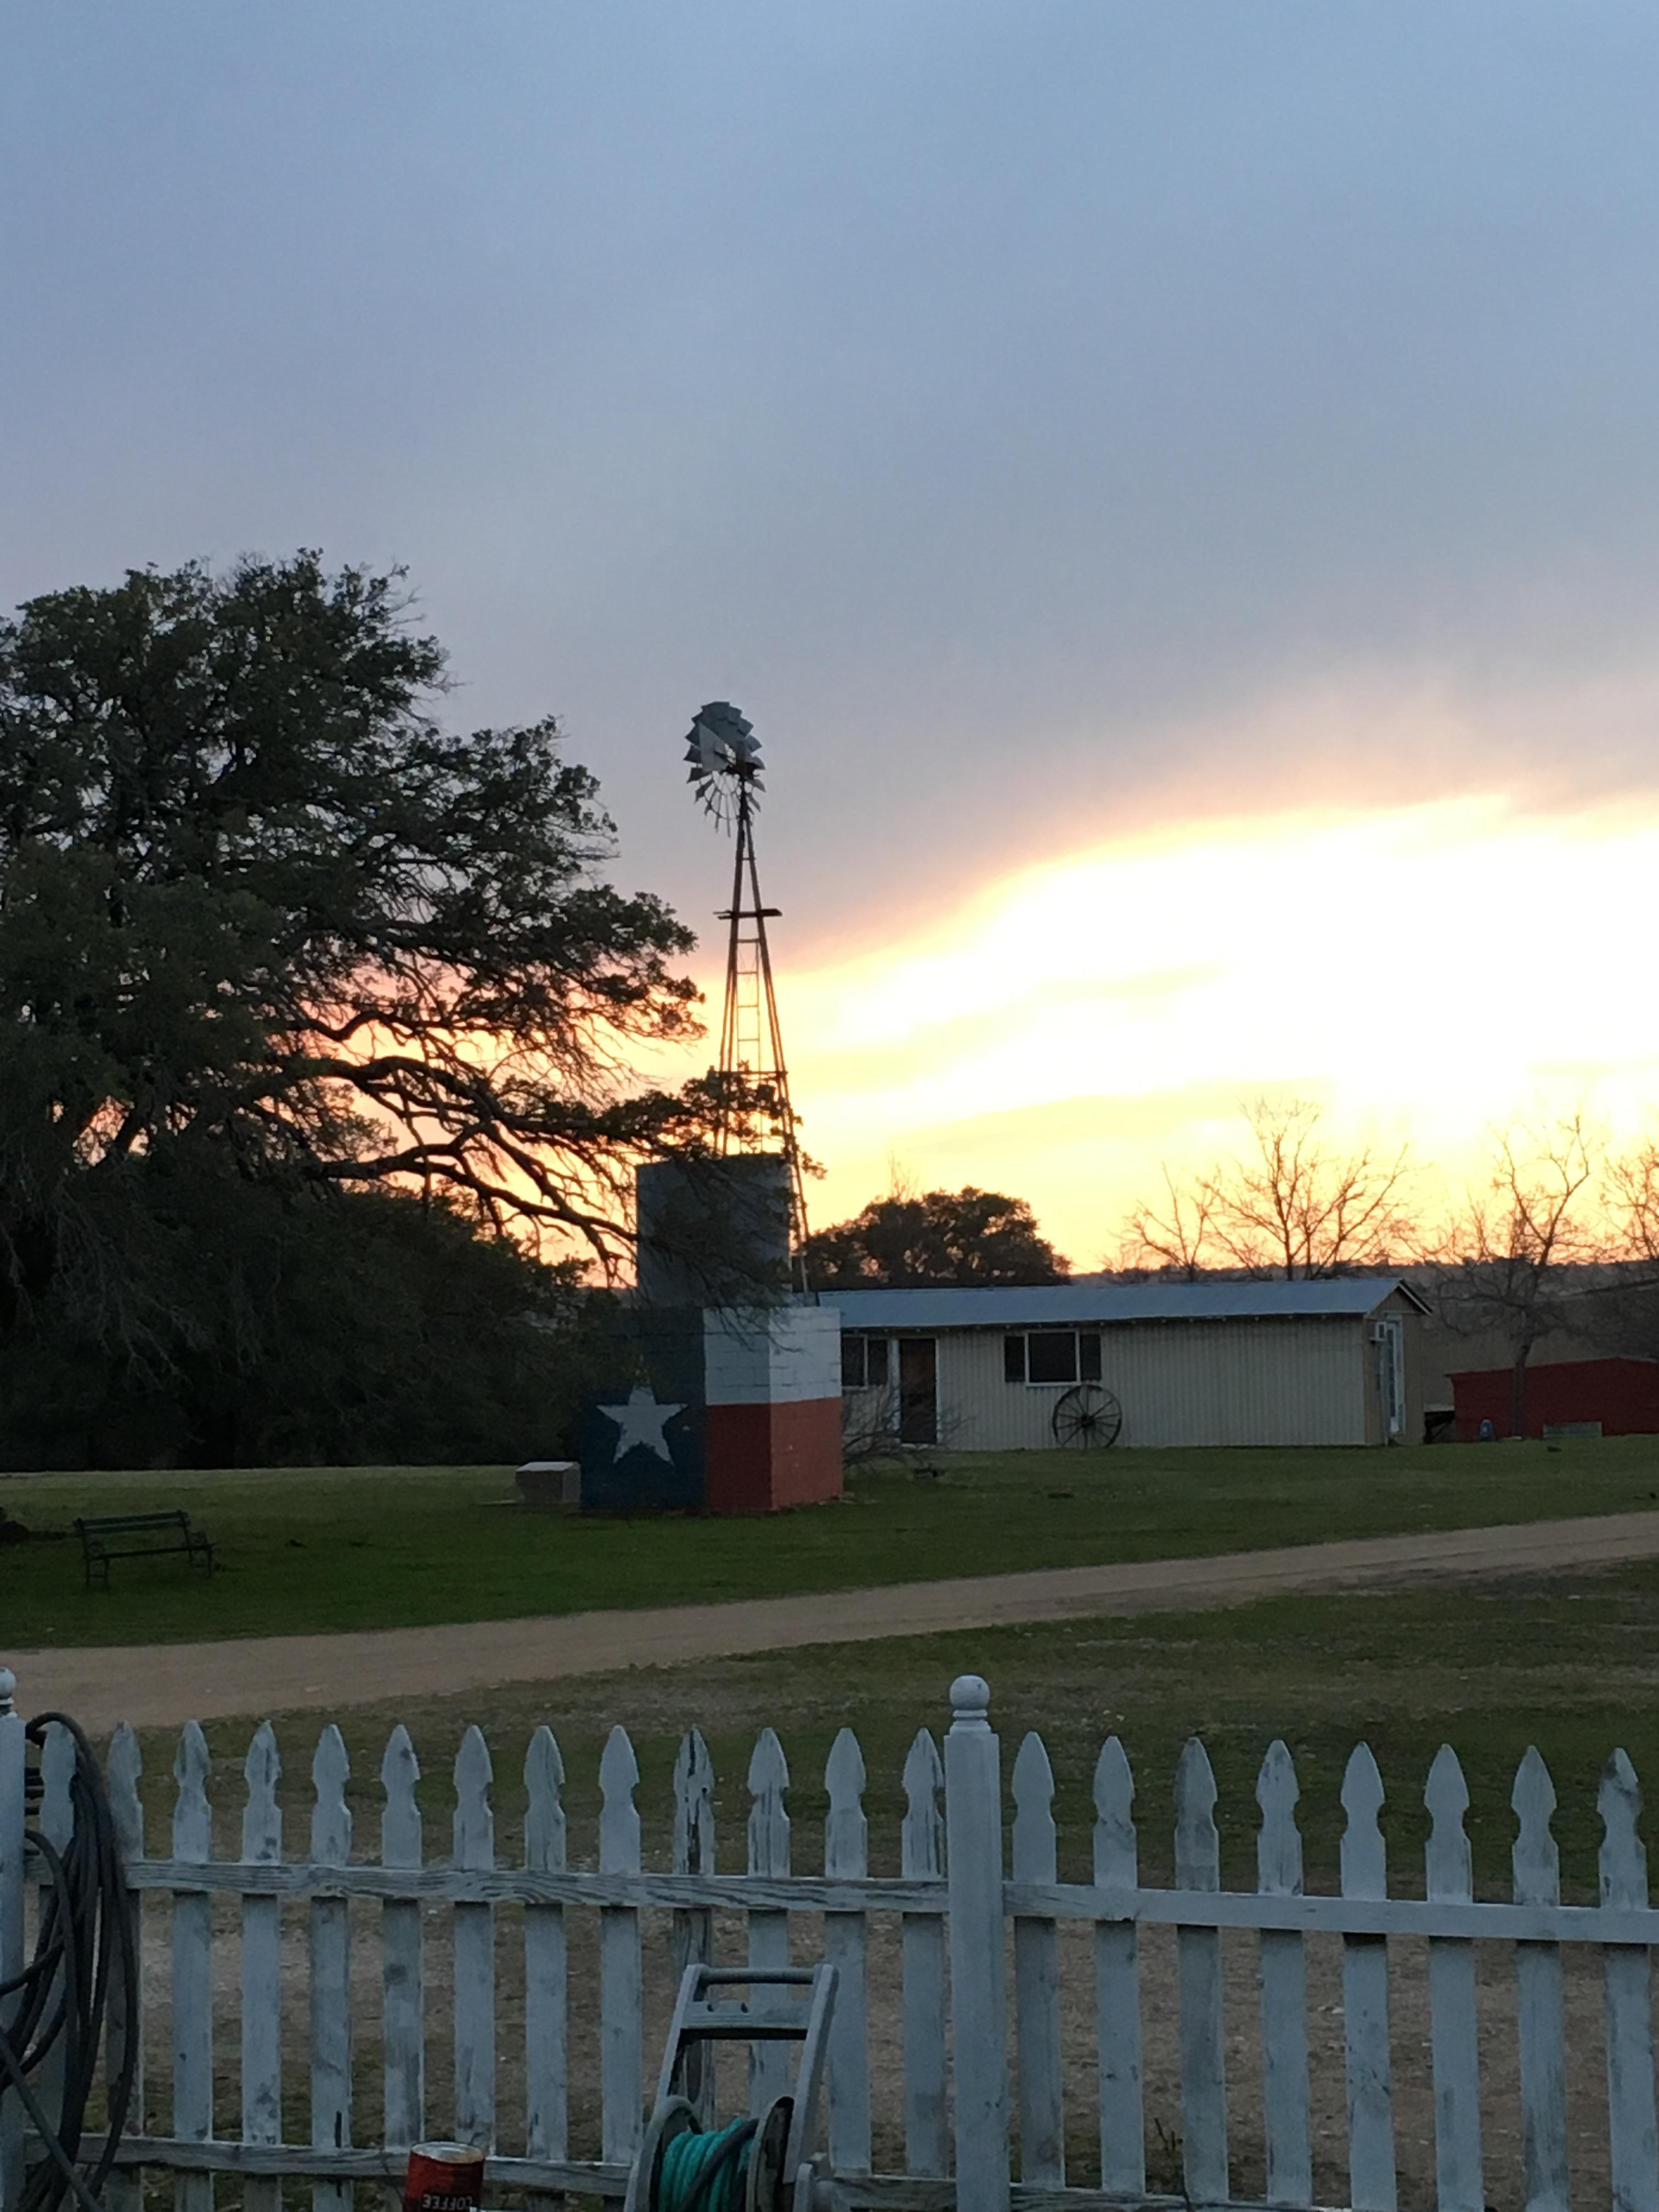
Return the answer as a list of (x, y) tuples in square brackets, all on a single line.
[(475, 1950), (965, 1890), (768, 1931), (546, 2012), (1454, 2028), (1631, 2118), (125, 1766), (1037, 1975), (972, 1824), (1539, 1989), (621, 2054), (926, 2096), (1117, 1981), (330, 1968), (1284, 1989), (192, 1970), (402, 1966), (693, 1940), (262, 1968), (846, 1942), (1203, 2045), (1372, 2181)]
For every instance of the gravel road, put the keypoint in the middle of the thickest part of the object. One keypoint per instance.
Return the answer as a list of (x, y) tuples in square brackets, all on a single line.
[(163, 1685)]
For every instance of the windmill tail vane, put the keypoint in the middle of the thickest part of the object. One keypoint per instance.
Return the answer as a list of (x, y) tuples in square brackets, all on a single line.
[(752, 1080)]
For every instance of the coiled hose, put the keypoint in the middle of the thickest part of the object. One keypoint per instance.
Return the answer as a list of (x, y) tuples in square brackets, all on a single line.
[(60, 2000), (707, 2173)]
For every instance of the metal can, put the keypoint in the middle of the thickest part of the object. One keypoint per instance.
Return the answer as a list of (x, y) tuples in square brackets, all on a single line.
[(443, 2177)]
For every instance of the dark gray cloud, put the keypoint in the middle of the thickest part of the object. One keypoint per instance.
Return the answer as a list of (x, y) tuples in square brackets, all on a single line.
[(1000, 402)]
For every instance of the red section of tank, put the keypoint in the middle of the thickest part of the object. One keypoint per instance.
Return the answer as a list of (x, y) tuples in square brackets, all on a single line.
[(1622, 1394), (760, 1459)]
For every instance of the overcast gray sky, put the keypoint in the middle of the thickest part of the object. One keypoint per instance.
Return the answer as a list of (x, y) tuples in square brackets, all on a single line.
[(1045, 419)]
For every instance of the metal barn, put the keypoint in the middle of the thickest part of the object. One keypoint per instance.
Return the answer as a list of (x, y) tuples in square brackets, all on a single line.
[(1209, 1362)]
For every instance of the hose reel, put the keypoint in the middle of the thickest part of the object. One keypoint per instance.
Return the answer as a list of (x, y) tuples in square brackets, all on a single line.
[(761, 2163)]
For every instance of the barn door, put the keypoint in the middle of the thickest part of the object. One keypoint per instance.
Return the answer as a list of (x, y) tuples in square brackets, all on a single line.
[(1389, 1336), (918, 1366)]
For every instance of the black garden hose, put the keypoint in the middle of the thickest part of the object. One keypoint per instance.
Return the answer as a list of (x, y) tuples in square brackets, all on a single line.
[(59, 2000)]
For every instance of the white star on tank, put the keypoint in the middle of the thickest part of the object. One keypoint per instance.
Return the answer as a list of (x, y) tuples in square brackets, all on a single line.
[(642, 1421)]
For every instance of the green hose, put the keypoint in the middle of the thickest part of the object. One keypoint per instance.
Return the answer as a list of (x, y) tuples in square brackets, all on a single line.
[(707, 2173)]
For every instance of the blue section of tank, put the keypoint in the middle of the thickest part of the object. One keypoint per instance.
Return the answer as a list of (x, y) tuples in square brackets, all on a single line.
[(640, 1439)]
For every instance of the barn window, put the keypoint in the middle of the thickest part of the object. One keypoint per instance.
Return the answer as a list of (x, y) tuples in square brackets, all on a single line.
[(1052, 1355), (863, 1363)]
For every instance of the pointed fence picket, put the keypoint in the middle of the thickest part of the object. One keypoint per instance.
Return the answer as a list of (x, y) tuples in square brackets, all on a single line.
[(1540, 1994), (475, 1949), (1037, 1975), (846, 1858), (1455, 2029), (261, 1970), (921, 1859), (192, 1970), (967, 1905), (768, 1930), (1203, 2075), (1117, 1980), (693, 1938), (621, 1992), (125, 1766), (1629, 2001), (330, 1970), (1284, 1989), (1371, 2178), (403, 1977), (546, 1966)]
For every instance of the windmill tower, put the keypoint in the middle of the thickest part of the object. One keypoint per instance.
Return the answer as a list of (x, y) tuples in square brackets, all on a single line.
[(752, 1079), (725, 1393)]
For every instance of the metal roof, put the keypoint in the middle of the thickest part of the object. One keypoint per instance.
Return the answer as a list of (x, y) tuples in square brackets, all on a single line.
[(1076, 1305)]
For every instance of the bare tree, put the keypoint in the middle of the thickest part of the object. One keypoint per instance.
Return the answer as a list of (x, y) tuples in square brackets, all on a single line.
[(1515, 1237), (1172, 1234), (1290, 1207), (1296, 1208), (1631, 1195)]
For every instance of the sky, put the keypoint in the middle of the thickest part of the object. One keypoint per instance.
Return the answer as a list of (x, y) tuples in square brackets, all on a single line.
[(1174, 485)]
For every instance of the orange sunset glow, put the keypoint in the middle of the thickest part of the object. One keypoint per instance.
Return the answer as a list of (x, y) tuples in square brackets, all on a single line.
[(1081, 1022)]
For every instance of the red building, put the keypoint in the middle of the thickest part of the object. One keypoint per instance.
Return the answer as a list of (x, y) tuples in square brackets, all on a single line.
[(1622, 1394)]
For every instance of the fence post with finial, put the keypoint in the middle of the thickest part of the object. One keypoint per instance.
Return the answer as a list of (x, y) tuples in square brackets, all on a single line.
[(11, 1916), (973, 1829)]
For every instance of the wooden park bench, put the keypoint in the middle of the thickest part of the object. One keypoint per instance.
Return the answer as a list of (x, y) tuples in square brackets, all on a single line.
[(140, 1536)]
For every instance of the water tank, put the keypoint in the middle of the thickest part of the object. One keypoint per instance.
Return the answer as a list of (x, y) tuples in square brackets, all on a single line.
[(714, 1233)]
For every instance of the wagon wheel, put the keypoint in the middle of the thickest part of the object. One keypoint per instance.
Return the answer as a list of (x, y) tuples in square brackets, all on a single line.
[(1088, 1418)]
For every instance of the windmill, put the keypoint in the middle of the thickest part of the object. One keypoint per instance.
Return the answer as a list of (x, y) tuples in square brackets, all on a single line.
[(753, 1080)]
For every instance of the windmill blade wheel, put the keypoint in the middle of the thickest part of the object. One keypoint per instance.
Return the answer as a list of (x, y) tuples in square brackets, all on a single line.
[(1086, 1419)]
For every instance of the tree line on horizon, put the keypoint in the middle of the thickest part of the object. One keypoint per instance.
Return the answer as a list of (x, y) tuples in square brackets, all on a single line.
[(317, 1123)]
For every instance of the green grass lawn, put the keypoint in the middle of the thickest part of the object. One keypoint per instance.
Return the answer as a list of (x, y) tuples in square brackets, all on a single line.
[(1569, 1662), (365, 1547)]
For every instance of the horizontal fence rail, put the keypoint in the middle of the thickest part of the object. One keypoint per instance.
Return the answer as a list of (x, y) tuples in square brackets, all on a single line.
[(306, 2018)]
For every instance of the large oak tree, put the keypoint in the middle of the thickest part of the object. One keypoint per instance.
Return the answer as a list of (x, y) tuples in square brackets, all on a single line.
[(967, 1236), (264, 916)]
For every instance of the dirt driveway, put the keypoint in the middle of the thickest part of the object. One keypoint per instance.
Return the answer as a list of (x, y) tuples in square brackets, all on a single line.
[(162, 1685)]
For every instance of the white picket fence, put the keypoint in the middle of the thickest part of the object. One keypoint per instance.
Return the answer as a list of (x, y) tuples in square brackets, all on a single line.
[(976, 1925)]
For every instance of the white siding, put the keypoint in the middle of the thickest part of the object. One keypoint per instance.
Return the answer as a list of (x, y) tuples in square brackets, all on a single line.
[(1292, 1381)]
